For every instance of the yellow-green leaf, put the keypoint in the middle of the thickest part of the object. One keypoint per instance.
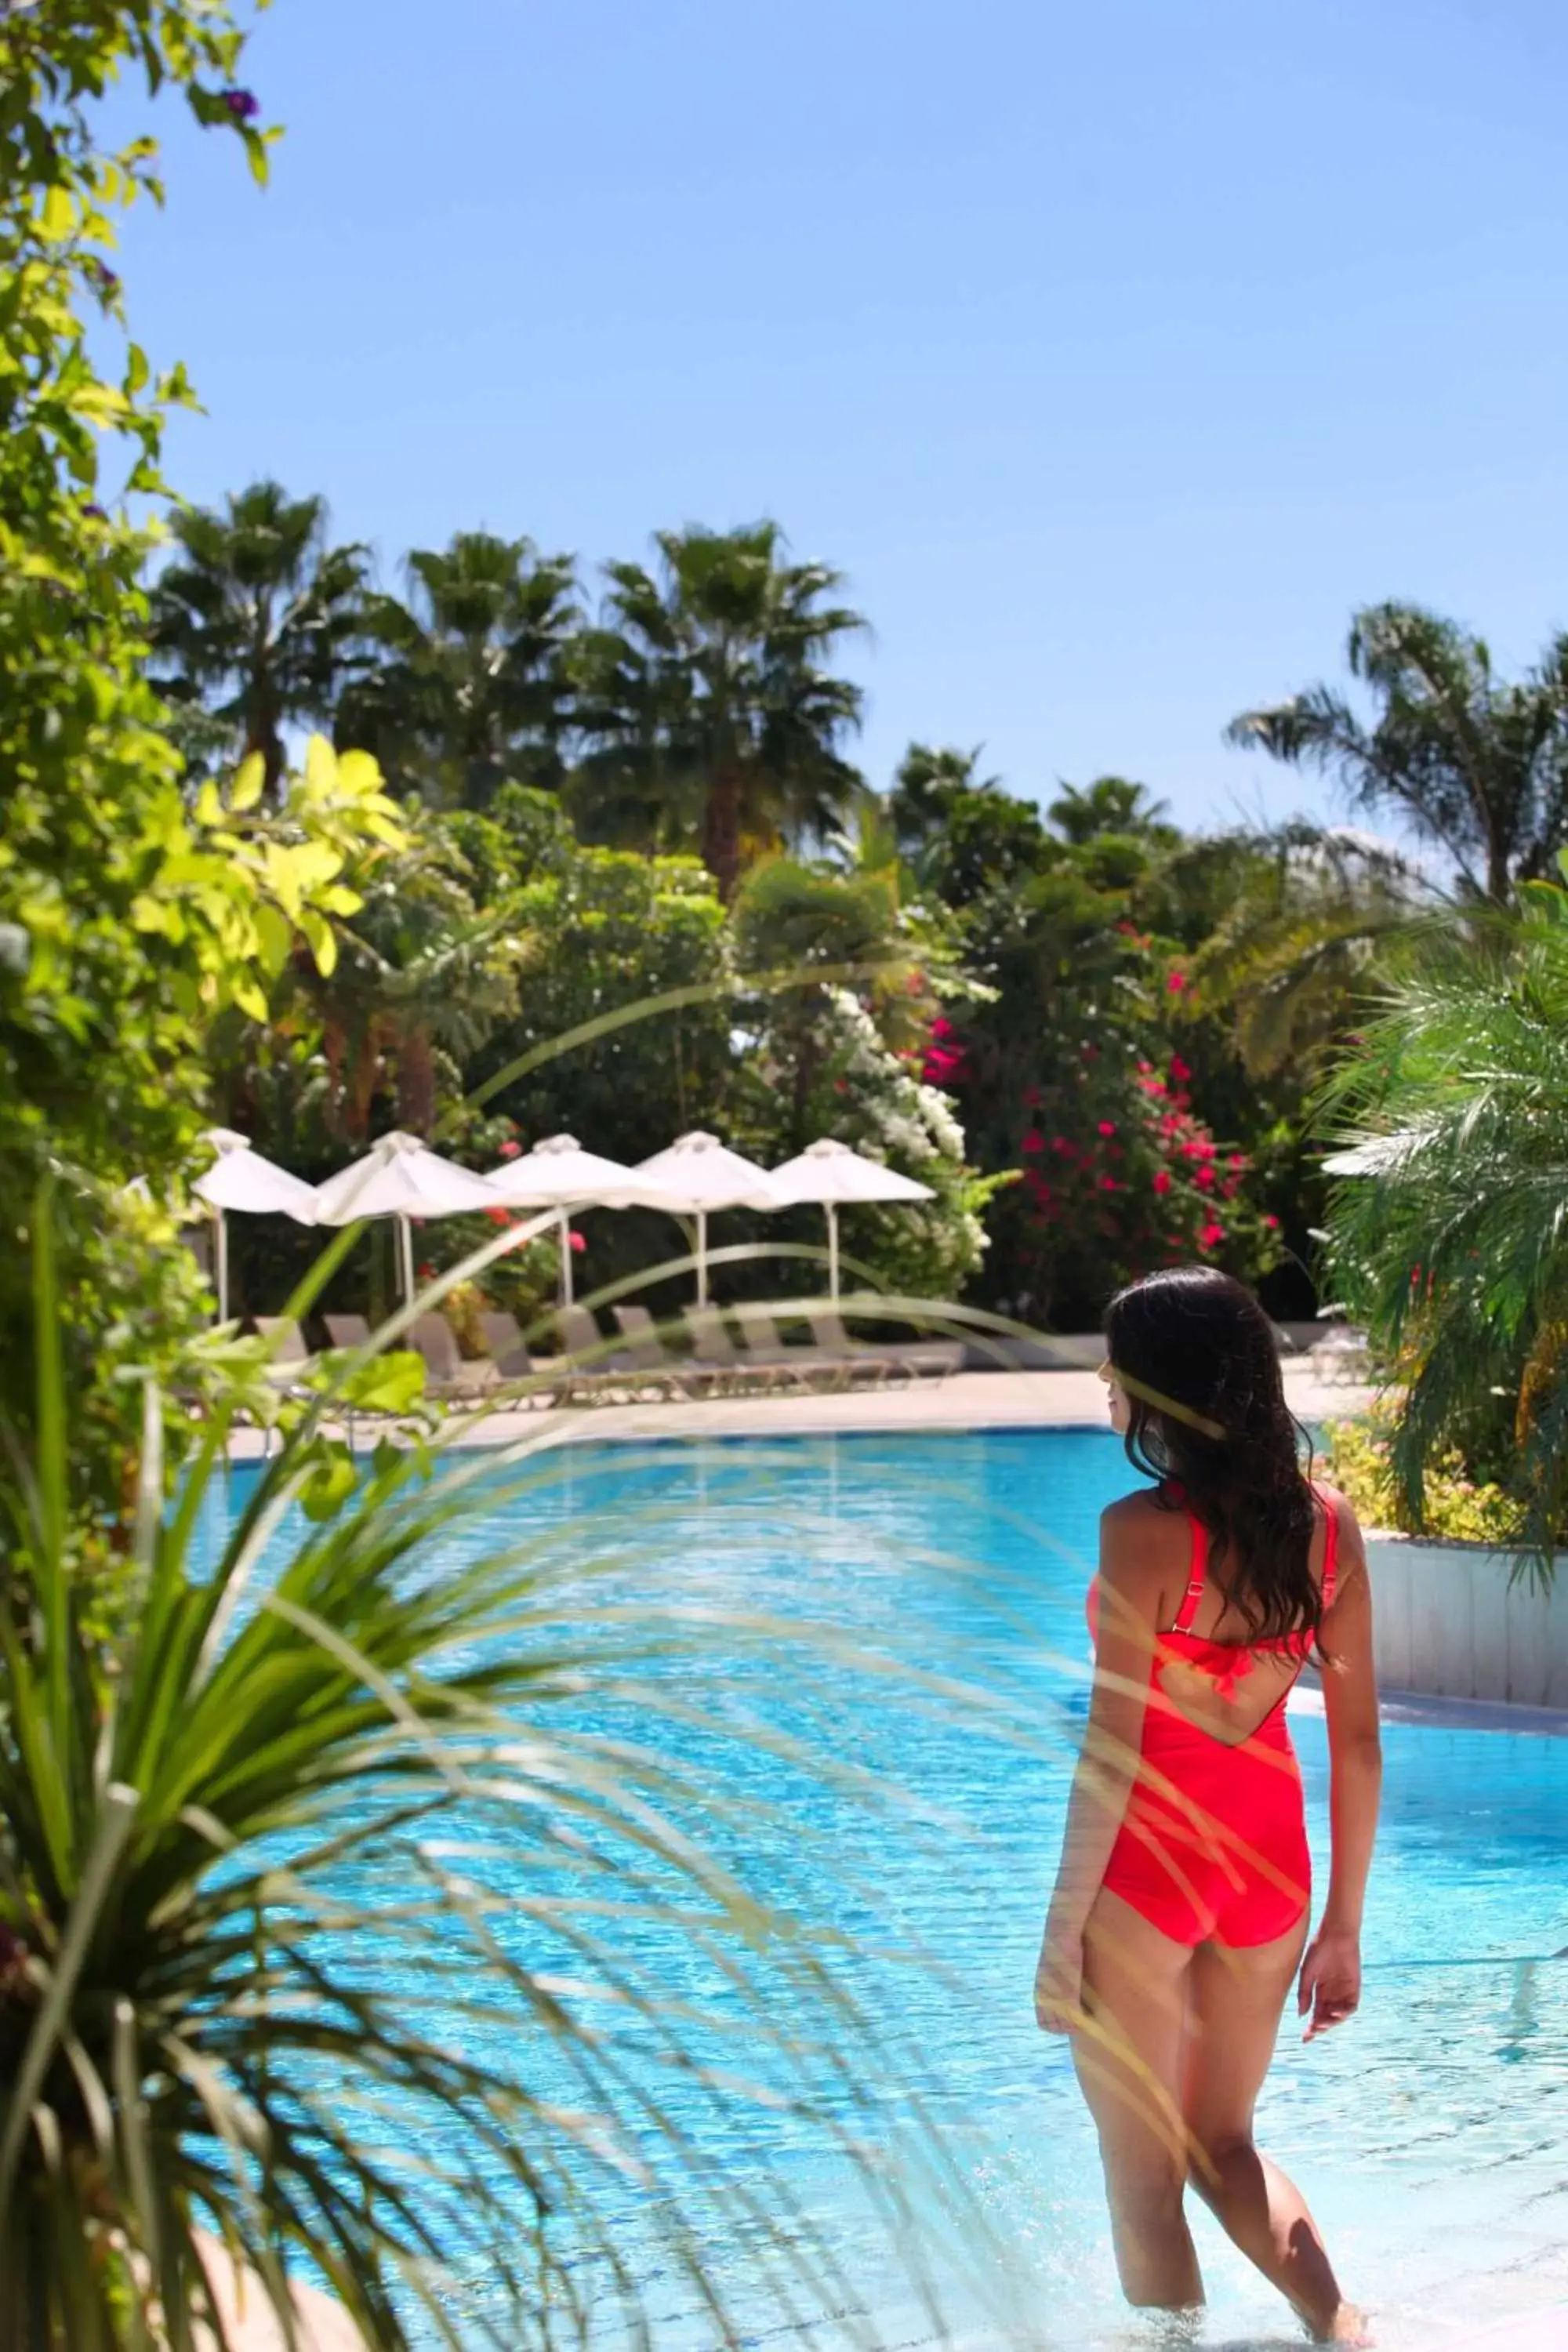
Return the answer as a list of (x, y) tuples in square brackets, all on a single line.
[(249, 783)]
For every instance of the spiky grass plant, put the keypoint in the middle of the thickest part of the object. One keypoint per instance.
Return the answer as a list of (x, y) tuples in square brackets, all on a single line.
[(1454, 1239), (305, 1876)]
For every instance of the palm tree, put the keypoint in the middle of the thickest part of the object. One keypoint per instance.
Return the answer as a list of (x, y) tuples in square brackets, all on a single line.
[(421, 975), (257, 620), (706, 706), (1289, 930), (472, 691), (1476, 767), (1448, 1229), (1112, 805)]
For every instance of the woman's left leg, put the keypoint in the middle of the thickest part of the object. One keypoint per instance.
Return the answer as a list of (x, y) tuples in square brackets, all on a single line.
[(1237, 1997), (1130, 2058)]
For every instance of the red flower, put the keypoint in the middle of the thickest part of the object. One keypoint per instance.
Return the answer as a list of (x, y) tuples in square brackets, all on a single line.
[(499, 1216), (1210, 1235), (940, 1028), (1239, 1159), (1108, 1127), (577, 1242), (1162, 1179), (1059, 1143), (1179, 1069), (1176, 983), (1203, 1178), (1108, 1185), (1034, 1140), (510, 1150), (1031, 1098), (1271, 1224), (425, 1272)]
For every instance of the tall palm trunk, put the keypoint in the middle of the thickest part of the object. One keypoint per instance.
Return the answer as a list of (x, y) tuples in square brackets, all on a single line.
[(722, 832), (416, 1081)]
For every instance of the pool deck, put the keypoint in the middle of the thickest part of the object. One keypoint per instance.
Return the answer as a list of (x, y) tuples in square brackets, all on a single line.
[(965, 1400)]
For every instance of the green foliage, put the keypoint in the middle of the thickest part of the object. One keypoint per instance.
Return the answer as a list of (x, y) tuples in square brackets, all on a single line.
[(1476, 766), (710, 719), (473, 688), (266, 1847), (1070, 1074), (1455, 1250), (129, 919), (258, 623), (1454, 1505)]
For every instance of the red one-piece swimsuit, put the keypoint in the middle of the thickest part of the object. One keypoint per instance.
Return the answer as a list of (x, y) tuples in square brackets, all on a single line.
[(1213, 1845)]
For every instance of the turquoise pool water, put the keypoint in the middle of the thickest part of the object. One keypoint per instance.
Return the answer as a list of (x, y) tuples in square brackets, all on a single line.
[(1431, 2135)]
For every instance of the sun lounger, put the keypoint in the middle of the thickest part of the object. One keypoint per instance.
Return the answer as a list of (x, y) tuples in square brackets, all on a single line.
[(714, 1352), (539, 1379), (647, 1353), (347, 1331), (598, 1372), (291, 1360), (922, 1359), (449, 1374), (810, 1365)]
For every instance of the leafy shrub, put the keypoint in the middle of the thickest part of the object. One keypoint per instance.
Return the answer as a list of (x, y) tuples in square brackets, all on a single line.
[(1454, 1504)]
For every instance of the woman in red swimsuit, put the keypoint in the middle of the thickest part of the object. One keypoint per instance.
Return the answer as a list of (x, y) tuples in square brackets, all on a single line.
[(1181, 1905)]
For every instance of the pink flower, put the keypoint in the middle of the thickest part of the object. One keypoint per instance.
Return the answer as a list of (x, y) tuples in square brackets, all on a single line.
[(510, 1150), (1108, 1127), (578, 1243), (1162, 1179), (1271, 1224), (1034, 1140), (1177, 981), (1211, 1235), (940, 1028), (1179, 1069), (1059, 1143), (1203, 1178), (1108, 1185), (1239, 1159)]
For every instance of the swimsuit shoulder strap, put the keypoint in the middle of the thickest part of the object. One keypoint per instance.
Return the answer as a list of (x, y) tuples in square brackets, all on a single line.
[(1197, 1573), (1331, 1546)]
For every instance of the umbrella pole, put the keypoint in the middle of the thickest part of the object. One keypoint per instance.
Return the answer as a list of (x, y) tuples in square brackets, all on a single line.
[(566, 1259), (406, 1258), (832, 1209), (702, 1257), (220, 1267)]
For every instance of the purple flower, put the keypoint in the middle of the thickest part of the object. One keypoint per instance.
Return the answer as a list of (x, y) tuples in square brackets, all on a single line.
[(243, 104)]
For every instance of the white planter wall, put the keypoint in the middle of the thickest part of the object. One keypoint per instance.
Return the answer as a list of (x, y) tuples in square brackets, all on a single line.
[(1449, 1625)]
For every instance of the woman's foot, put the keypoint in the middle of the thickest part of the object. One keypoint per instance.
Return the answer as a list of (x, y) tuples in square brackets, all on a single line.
[(1347, 2325)]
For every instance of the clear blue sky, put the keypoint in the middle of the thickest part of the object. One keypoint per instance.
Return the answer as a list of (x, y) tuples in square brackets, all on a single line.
[(1115, 350)]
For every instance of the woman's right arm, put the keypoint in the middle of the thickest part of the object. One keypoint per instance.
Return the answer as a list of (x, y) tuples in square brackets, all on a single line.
[(1330, 1973)]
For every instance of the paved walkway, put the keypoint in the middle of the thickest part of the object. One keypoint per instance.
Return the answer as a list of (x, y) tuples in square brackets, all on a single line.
[(967, 1400)]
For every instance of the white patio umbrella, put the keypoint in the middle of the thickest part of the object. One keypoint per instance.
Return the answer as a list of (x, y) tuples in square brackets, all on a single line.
[(701, 1176), (832, 1175), (242, 1179), (559, 1174), (400, 1177)]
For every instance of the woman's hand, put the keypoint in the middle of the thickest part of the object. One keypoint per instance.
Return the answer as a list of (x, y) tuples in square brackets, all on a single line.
[(1058, 1977), (1330, 1981)]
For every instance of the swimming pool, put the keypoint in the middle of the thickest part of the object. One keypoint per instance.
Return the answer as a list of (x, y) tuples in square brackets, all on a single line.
[(1431, 2135)]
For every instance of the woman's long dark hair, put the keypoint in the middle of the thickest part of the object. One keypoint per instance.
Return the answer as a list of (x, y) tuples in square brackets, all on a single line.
[(1197, 1359)]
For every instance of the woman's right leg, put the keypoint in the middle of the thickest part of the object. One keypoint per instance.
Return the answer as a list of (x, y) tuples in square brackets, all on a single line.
[(1129, 2055), (1237, 2002)]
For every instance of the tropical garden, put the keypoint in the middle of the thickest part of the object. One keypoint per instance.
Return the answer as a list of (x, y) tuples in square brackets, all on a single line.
[(494, 840)]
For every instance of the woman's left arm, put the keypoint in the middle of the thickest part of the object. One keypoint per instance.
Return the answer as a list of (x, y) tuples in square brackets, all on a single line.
[(1130, 1597)]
